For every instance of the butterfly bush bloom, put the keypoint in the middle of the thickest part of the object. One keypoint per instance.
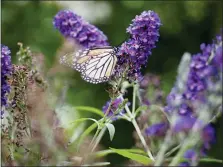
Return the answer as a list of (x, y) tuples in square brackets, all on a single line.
[(199, 86), (158, 129), (203, 70), (74, 26), (144, 33), (6, 69)]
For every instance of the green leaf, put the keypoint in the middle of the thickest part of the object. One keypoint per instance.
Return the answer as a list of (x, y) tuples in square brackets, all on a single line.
[(85, 119), (133, 156), (103, 153), (141, 108), (211, 160), (90, 109), (138, 151), (106, 152), (111, 130)]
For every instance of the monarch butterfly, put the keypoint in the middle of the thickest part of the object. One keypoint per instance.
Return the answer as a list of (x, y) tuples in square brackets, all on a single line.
[(96, 65)]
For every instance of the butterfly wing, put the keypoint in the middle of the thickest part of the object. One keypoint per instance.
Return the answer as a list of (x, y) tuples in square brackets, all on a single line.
[(75, 60), (100, 68), (96, 65)]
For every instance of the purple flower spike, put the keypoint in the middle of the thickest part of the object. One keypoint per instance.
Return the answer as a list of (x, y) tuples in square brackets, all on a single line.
[(144, 32), (158, 129), (145, 28), (73, 26), (6, 69)]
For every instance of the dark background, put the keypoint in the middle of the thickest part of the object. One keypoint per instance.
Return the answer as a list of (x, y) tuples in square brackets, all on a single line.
[(186, 24)]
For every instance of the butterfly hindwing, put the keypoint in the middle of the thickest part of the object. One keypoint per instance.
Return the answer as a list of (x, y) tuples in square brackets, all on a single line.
[(76, 60)]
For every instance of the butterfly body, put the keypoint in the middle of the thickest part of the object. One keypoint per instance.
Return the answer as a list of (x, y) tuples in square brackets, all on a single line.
[(96, 65)]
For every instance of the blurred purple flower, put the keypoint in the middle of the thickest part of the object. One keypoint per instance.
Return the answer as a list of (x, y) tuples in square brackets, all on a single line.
[(208, 136), (144, 32), (6, 69), (184, 164), (190, 154), (72, 25), (158, 129), (184, 123), (205, 72), (203, 67), (114, 106), (150, 89)]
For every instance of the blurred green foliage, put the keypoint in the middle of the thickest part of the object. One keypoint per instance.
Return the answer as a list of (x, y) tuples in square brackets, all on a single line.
[(31, 24), (186, 24)]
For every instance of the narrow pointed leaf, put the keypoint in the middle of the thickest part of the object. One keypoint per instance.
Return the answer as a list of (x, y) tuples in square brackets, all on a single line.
[(106, 152), (85, 119), (133, 156), (90, 109)]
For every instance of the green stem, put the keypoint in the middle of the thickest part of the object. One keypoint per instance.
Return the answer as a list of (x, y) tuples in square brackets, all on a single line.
[(164, 147), (132, 117), (180, 153), (142, 139), (190, 141), (95, 135), (134, 99), (172, 151), (98, 139)]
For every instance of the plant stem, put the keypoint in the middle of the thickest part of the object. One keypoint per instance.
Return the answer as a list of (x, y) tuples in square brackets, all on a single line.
[(134, 99), (98, 139), (138, 132), (173, 150), (142, 139), (190, 141), (95, 135), (164, 147)]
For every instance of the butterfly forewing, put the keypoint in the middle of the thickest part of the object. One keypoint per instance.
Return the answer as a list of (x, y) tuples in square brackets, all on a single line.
[(96, 65)]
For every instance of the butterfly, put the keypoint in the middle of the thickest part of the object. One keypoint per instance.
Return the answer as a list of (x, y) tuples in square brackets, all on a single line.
[(96, 65)]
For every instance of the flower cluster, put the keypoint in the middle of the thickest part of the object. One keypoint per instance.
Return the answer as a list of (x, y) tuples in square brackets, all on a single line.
[(204, 72), (132, 54), (73, 26), (6, 69), (144, 32)]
